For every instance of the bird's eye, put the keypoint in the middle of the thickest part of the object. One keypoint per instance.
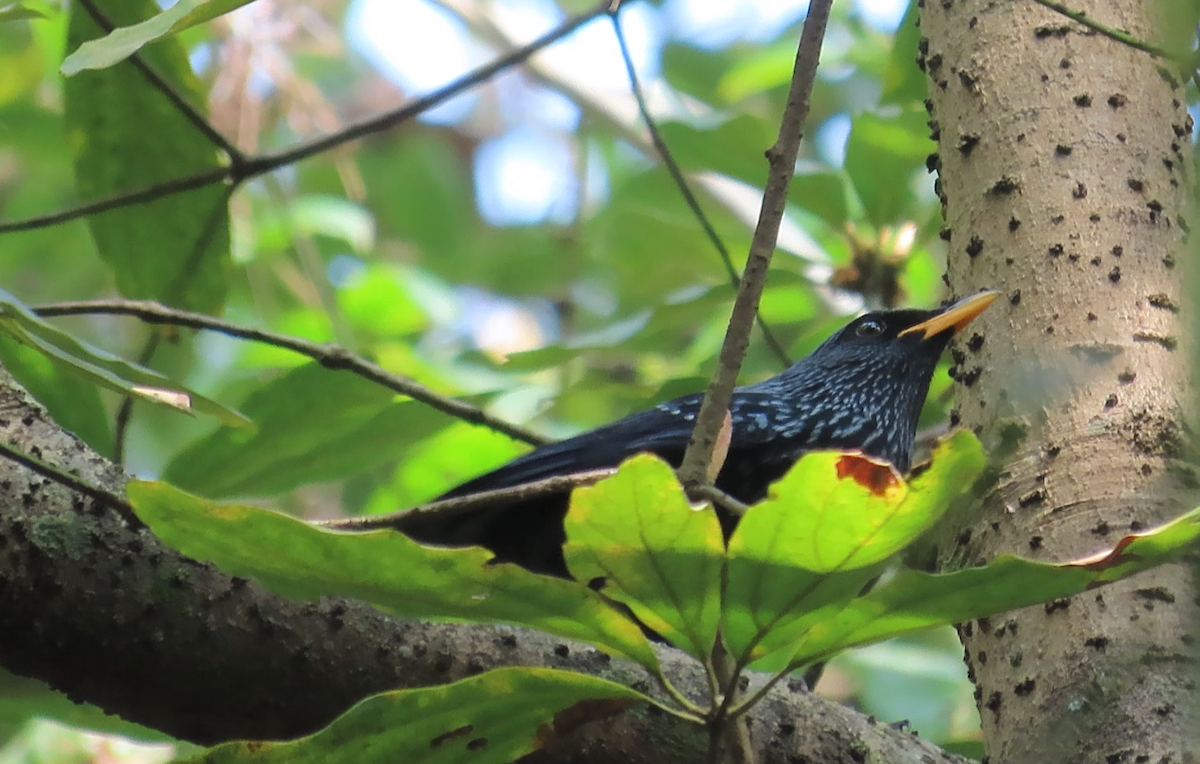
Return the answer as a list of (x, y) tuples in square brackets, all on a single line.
[(869, 328)]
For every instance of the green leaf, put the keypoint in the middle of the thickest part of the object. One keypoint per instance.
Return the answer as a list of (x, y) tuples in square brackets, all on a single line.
[(19, 12), (496, 717), (127, 136), (914, 600), (384, 568), (882, 157), (100, 366), (823, 532), (313, 424), (658, 554), (123, 42), (904, 83), (73, 402)]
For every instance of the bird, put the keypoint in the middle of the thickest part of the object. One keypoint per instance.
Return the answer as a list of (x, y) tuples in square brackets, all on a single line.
[(861, 389)]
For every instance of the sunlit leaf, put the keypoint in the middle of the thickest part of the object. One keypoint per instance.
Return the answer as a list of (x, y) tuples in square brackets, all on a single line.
[(495, 717), (384, 568), (123, 42), (101, 367), (657, 554), (126, 136), (822, 534), (914, 600), (19, 12)]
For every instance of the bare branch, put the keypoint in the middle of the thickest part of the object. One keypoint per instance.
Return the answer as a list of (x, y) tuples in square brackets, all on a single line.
[(685, 189), (329, 356), (781, 159)]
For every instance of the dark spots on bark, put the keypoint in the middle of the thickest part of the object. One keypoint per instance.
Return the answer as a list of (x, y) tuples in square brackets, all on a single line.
[(1015, 297), (971, 376), (1111, 401), (1156, 594), (1117, 100), (974, 247), (1165, 340), (993, 704), (1163, 302), (1083, 100), (1169, 262), (933, 162), (1091, 316), (1126, 377), (1053, 451), (1115, 274), (1013, 224), (562, 651), (1121, 137), (1035, 543), (1096, 643), (1117, 250), (1135, 185), (1064, 63), (1062, 150), (1094, 217), (1053, 606), (967, 143), (1055, 250), (1080, 191), (1044, 32), (1036, 496), (1017, 659), (1096, 260), (1004, 186), (1024, 688), (975, 343), (1136, 527), (1101, 529)]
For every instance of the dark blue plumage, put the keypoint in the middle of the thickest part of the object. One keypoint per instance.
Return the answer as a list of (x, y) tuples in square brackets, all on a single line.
[(863, 388)]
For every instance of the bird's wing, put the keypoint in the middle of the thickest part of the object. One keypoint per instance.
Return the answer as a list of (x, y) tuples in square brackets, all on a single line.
[(663, 430)]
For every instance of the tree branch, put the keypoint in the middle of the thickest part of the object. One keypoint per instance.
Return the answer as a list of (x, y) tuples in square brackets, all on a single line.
[(329, 356), (102, 611), (781, 159)]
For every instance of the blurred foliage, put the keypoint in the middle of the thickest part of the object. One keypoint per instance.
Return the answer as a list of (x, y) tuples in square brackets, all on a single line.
[(559, 325)]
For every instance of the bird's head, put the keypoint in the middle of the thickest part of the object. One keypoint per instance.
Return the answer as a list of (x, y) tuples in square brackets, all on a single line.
[(865, 385)]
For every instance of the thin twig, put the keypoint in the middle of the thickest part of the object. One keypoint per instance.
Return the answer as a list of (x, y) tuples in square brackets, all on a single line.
[(718, 497), (1124, 38), (266, 163), (255, 166), (70, 481), (497, 497), (781, 159), (685, 189), (190, 113), (329, 356)]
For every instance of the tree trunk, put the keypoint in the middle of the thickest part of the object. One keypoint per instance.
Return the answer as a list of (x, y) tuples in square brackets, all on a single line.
[(1066, 179)]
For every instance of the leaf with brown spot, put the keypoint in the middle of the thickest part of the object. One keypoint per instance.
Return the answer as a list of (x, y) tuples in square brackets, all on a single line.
[(913, 600), (823, 532), (876, 475)]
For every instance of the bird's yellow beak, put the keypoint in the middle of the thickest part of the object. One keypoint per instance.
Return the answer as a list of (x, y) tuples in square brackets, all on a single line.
[(954, 317)]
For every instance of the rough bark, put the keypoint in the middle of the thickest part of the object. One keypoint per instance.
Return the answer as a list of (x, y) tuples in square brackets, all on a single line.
[(101, 610), (1066, 177)]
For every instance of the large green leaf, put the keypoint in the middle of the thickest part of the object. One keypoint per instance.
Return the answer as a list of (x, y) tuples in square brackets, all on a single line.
[(313, 424), (914, 600), (123, 42), (496, 717), (127, 136), (101, 367), (882, 157), (822, 534), (385, 568), (657, 553)]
